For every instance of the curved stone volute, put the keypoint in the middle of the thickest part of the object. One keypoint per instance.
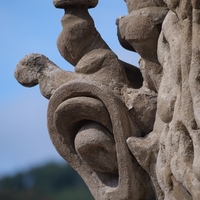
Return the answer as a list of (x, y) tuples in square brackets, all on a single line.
[(106, 123)]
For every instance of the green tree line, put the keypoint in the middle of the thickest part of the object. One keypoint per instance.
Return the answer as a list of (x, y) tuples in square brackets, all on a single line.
[(52, 181)]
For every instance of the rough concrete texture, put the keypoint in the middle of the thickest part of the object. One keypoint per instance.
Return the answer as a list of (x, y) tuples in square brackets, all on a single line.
[(132, 134)]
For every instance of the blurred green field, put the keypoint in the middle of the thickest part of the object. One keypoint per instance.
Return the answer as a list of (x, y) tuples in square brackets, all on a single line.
[(52, 181)]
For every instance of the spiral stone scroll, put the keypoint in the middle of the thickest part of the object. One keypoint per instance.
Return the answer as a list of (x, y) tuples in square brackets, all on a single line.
[(84, 126)]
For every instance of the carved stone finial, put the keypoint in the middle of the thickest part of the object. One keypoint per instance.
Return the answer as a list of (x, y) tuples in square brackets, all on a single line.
[(130, 133)]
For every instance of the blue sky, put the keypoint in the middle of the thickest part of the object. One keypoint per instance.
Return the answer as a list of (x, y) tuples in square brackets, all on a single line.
[(33, 27)]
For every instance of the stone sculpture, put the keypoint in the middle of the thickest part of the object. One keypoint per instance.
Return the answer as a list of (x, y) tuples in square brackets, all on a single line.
[(130, 133)]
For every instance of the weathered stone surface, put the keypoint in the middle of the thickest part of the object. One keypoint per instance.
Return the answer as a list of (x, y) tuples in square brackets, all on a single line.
[(176, 163), (179, 142), (130, 133)]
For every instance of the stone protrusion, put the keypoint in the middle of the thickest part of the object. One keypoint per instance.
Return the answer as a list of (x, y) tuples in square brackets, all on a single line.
[(36, 69)]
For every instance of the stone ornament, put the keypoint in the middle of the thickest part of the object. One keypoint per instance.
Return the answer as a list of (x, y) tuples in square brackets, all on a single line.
[(131, 133)]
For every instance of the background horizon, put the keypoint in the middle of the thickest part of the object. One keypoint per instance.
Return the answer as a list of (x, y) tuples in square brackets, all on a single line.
[(33, 27)]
